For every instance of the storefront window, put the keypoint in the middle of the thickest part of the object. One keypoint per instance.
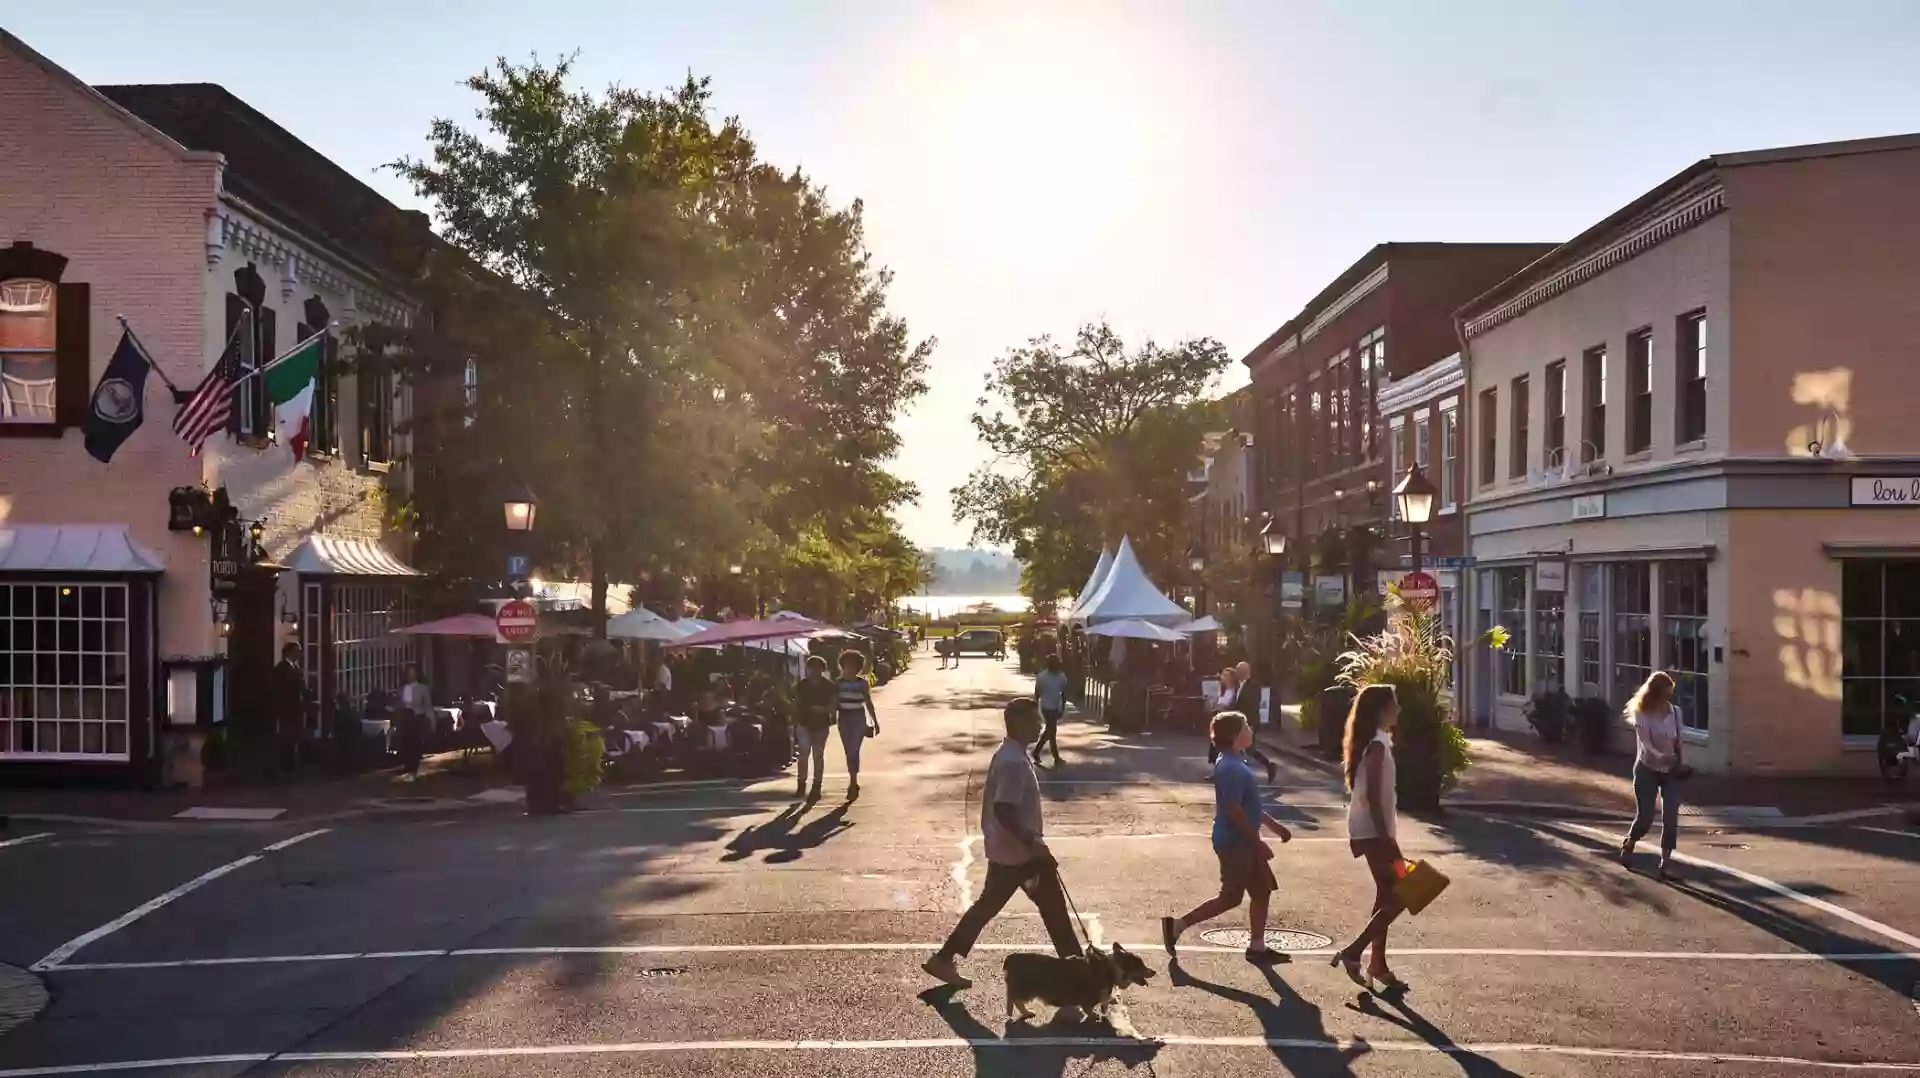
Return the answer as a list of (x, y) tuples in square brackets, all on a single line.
[(1683, 628), (1879, 643), (1593, 596), (1512, 585), (63, 671), (1549, 639), (1632, 628), (1450, 627), (367, 653)]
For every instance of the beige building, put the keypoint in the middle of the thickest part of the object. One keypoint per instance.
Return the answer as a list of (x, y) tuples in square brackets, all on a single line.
[(1692, 446), (198, 220)]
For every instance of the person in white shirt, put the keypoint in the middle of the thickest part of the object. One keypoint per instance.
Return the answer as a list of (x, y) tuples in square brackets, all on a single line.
[(1050, 690), (1017, 855), (1373, 812), (416, 719), (1657, 766)]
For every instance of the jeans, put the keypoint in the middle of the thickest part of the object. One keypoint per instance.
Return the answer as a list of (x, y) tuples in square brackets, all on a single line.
[(813, 743), (1042, 886), (853, 730), (1647, 784), (1051, 734)]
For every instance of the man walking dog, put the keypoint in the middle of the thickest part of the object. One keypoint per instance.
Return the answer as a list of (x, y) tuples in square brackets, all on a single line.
[(1017, 854)]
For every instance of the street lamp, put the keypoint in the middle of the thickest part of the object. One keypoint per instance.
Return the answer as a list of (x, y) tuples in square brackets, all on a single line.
[(521, 506), (1273, 538), (1414, 496), (1196, 559)]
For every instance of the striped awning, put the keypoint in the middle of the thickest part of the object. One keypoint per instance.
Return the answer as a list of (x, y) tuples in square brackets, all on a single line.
[(74, 548), (331, 555)]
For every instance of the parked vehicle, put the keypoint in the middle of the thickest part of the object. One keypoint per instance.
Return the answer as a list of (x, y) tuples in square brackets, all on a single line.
[(991, 643)]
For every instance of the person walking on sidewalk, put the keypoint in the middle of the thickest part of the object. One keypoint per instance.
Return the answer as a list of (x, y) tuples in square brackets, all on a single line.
[(1372, 817), (814, 702), (1245, 859), (1233, 690), (1017, 855), (1050, 689), (416, 723), (858, 718), (1657, 766)]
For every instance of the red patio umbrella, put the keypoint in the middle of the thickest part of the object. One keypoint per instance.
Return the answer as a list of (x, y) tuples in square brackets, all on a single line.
[(751, 629)]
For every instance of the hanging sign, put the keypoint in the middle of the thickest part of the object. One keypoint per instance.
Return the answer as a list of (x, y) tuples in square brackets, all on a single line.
[(225, 547)]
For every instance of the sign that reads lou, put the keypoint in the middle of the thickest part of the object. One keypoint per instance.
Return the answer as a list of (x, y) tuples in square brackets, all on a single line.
[(515, 622), (1886, 490)]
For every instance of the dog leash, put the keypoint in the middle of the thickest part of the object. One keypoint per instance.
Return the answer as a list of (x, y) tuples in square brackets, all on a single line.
[(1062, 881)]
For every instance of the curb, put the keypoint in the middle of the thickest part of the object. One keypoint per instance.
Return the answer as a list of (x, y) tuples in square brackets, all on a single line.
[(22, 998), (1313, 760)]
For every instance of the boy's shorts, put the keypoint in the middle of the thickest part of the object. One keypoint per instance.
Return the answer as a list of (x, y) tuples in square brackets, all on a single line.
[(1243, 870)]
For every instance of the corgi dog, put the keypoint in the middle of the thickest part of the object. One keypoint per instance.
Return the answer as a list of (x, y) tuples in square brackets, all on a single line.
[(1090, 982)]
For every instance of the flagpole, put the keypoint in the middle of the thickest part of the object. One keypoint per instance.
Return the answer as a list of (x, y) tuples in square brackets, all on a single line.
[(127, 327), (277, 360)]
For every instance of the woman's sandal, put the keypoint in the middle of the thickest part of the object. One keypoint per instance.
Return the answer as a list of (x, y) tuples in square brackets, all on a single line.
[(1352, 966)]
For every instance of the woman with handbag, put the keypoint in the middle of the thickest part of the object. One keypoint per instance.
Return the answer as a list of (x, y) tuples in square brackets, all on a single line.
[(1372, 813), (1658, 766)]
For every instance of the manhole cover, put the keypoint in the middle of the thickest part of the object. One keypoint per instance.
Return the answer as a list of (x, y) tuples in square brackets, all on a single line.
[(1280, 939), (655, 973)]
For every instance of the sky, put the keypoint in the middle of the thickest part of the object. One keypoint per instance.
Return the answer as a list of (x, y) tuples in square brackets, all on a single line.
[(1179, 169)]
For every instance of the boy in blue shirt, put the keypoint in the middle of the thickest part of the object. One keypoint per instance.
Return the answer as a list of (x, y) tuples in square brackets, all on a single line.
[(1244, 856)]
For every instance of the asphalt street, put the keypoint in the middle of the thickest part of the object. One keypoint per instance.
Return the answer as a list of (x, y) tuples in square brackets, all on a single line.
[(722, 929)]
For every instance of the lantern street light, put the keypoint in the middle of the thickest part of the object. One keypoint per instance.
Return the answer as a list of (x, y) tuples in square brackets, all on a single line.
[(1196, 559), (1273, 538), (521, 506), (1414, 497)]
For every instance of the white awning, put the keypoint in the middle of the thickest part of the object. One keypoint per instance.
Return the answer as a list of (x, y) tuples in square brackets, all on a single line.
[(332, 555), (74, 548)]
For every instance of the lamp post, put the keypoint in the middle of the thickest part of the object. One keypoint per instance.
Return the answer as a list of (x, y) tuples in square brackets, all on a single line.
[(1414, 495), (521, 506), (1197, 564)]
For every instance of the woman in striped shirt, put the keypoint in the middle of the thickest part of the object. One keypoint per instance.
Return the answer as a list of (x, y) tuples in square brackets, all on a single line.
[(858, 718)]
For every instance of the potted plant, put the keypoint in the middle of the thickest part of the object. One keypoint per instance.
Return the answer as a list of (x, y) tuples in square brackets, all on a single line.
[(1549, 713), (546, 746), (1593, 722)]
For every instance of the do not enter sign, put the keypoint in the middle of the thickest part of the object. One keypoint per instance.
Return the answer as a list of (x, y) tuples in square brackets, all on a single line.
[(1419, 590), (515, 622)]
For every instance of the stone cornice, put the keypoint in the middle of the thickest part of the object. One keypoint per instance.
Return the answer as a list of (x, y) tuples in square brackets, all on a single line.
[(1429, 382), (1685, 209), (1347, 299), (234, 225)]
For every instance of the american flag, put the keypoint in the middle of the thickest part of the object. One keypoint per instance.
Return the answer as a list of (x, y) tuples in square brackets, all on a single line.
[(211, 405)]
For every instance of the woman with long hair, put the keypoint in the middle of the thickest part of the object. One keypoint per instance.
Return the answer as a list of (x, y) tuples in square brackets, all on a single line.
[(1372, 813), (1657, 766)]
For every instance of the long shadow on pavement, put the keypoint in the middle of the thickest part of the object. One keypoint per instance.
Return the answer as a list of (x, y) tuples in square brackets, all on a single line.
[(780, 835), (1472, 1064), (1011, 1058), (1285, 1017), (1511, 843)]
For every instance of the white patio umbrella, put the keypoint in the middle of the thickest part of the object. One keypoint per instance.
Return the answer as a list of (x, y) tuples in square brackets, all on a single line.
[(1136, 629), (643, 624)]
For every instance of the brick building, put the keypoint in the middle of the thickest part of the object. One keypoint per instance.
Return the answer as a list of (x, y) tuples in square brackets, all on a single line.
[(200, 221), (1321, 460)]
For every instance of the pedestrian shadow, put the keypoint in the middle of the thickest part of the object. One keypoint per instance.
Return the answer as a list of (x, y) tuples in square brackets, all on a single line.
[(780, 835), (1517, 845), (1005, 1056), (1472, 1064), (1296, 1031)]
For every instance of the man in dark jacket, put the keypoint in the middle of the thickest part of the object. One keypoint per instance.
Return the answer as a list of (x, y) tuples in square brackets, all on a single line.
[(289, 704)]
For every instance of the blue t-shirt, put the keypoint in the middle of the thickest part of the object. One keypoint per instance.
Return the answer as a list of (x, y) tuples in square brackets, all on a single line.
[(1233, 784)]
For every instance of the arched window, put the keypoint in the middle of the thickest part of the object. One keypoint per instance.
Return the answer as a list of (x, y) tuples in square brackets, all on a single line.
[(470, 392), (28, 360)]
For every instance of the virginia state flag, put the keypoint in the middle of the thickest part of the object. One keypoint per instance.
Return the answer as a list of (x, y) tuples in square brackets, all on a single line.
[(119, 403)]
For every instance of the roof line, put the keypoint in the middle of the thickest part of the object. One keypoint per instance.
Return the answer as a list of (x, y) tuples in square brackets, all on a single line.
[(1842, 148), (100, 100)]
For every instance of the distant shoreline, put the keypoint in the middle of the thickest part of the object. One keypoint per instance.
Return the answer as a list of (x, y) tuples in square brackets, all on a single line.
[(948, 605)]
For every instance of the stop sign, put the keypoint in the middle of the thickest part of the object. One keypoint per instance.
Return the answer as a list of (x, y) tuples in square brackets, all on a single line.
[(1419, 590), (515, 622)]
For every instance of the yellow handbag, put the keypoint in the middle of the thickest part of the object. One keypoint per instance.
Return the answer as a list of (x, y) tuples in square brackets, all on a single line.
[(1419, 884)]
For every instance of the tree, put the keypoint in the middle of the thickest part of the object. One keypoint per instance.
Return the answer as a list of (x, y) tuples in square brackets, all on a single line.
[(1090, 443)]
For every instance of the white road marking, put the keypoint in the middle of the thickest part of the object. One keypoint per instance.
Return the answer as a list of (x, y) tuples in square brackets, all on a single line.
[(67, 950), (923, 1044), (1884, 931), (764, 948), (24, 839), (959, 873), (1875, 830)]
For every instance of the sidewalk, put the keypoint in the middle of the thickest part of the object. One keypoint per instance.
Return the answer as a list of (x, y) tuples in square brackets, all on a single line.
[(445, 783), (1518, 771)]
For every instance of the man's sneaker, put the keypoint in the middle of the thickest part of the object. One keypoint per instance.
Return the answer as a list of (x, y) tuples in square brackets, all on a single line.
[(941, 968)]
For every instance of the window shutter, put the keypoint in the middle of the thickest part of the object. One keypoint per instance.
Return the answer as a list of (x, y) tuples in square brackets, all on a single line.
[(267, 350), (72, 352), (366, 388), (327, 399), (230, 359)]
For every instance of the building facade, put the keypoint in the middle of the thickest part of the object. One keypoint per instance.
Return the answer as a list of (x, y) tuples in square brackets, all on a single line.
[(1322, 460), (1689, 451), (1423, 415), (214, 234)]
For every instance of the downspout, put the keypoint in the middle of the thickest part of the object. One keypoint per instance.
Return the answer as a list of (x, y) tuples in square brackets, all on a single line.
[(1470, 579)]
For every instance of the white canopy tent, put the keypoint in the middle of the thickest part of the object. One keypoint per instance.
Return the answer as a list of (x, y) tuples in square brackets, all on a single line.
[(1136, 629), (1099, 576), (1127, 593), (643, 624), (1205, 624)]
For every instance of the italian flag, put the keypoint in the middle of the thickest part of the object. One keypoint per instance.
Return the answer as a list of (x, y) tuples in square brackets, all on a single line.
[(290, 384)]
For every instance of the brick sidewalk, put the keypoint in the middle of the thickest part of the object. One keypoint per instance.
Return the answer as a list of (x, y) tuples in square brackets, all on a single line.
[(445, 782), (1519, 768)]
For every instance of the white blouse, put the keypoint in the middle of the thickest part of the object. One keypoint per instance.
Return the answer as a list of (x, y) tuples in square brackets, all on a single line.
[(1656, 736), (1359, 815)]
